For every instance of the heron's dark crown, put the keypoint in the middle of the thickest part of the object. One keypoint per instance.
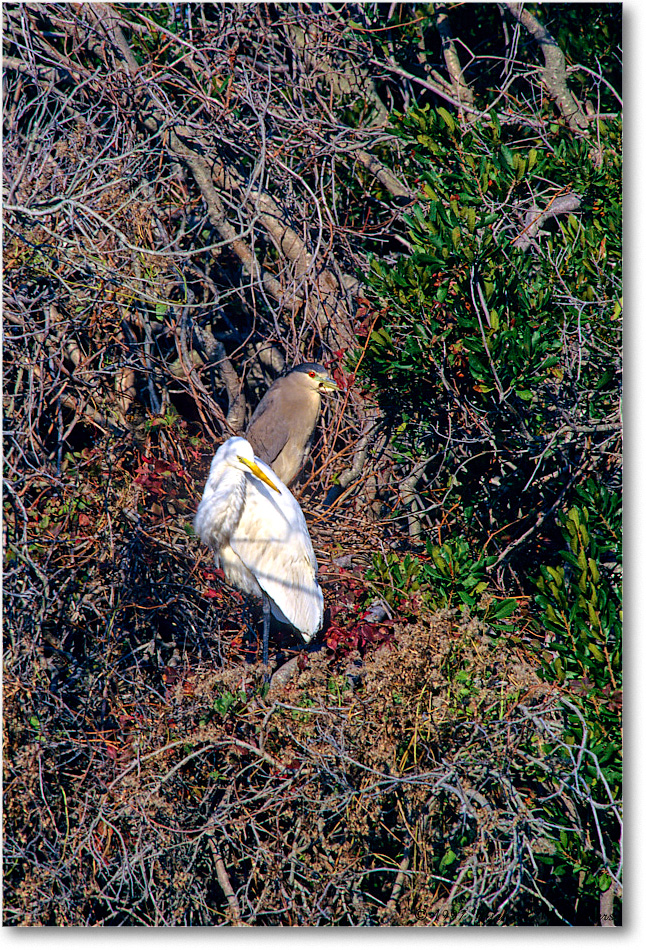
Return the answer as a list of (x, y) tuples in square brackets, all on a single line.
[(308, 367)]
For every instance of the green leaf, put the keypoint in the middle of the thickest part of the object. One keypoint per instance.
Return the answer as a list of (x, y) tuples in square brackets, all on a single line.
[(505, 608), (447, 117), (417, 211), (594, 570), (519, 165), (604, 881), (573, 515), (507, 155), (448, 858), (466, 598), (596, 652)]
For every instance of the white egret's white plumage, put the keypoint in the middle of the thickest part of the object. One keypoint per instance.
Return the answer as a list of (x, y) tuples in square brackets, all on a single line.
[(256, 529)]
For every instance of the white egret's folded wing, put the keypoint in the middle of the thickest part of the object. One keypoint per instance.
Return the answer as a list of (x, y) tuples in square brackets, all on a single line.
[(272, 541)]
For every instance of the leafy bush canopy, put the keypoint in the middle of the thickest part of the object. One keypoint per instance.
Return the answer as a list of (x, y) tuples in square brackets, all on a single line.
[(492, 362)]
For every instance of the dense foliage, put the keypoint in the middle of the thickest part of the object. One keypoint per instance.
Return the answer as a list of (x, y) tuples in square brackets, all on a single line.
[(498, 368), (496, 359), (426, 197)]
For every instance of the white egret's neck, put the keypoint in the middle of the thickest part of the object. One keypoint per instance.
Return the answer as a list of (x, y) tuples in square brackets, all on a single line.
[(231, 492), (222, 505)]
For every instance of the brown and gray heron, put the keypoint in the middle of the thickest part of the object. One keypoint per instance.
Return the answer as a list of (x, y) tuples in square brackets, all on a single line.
[(282, 427), (256, 529)]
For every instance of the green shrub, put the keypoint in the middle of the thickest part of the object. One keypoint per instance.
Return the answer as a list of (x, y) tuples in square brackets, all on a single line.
[(580, 603), (497, 364), (494, 356)]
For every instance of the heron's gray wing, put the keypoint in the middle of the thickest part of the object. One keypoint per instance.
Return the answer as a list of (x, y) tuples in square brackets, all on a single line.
[(268, 430)]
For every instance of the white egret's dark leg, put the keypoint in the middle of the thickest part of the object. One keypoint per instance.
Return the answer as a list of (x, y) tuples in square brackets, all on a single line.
[(266, 620), (250, 636)]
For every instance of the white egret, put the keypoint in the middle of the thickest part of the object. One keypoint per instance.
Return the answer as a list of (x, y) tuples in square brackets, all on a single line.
[(257, 531)]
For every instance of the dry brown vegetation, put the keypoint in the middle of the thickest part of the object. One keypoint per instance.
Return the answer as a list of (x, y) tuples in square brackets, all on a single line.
[(178, 794)]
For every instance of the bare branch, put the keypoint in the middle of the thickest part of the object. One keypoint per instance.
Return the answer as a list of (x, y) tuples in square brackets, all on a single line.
[(461, 90), (534, 217), (554, 71)]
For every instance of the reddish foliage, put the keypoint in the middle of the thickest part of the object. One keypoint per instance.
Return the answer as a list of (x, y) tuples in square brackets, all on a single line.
[(349, 631), (152, 473)]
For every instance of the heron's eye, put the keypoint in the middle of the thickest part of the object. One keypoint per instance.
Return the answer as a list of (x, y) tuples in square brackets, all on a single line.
[(312, 374)]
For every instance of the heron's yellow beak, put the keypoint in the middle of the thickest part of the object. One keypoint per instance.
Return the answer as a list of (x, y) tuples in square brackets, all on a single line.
[(328, 385), (258, 472)]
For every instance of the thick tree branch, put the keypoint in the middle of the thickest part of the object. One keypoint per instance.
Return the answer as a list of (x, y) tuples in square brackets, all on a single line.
[(461, 90), (534, 218), (554, 71), (383, 174), (216, 356)]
